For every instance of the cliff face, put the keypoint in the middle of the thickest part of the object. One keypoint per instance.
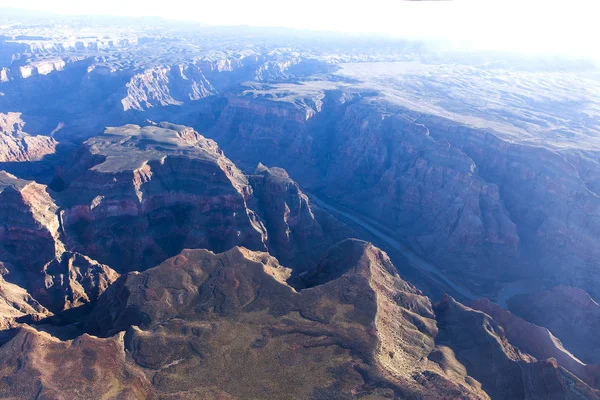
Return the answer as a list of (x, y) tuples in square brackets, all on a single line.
[(16, 145), (34, 254), (478, 206), (299, 233), (16, 302), (137, 196), (152, 192), (549, 194), (72, 280), (164, 86), (386, 166), (133, 197), (29, 227), (427, 190)]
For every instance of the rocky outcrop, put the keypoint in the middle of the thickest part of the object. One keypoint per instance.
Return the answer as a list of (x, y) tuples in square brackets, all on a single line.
[(427, 190), (286, 110), (387, 166), (36, 364), (472, 202), (299, 233), (40, 68), (72, 280), (152, 191), (16, 145), (549, 195), (272, 128), (16, 303), (162, 86), (138, 195), (569, 313), (212, 325), (33, 252), (29, 227)]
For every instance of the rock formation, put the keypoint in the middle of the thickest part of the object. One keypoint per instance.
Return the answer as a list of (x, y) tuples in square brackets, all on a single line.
[(29, 226), (228, 325), (33, 253), (504, 371), (538, 342), (569, 313), (16, 145), (386, 166), (16, 303), (150, 192), (299, 233), (479, 174), (204, 321), (162, 86), (72, 280), (137, 196), (36, 364)]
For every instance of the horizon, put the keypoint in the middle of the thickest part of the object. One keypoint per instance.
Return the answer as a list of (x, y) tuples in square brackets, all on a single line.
[(536, 28)]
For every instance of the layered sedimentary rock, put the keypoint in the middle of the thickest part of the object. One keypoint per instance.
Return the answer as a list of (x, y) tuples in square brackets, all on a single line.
[(136, 196), (140, 195), (16, 145), (387, 166), (29, 226), (481, 207), (16, 303), (268, 131), (162, 86), (41, 68), (569, 313), (33, 253), (549, 195), (425, 189)]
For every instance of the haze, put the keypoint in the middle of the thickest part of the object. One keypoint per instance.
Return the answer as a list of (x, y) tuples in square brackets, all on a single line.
[(535, 26)]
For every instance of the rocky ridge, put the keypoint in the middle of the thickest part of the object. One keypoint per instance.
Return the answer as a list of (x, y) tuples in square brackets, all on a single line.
[(229, 325)]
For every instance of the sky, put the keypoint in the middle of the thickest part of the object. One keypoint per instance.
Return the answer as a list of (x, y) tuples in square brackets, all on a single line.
[(568, 27)]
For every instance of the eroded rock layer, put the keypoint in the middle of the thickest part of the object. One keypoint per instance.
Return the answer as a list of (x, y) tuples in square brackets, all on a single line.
[(16, 145), (147, 193), (33, 253)]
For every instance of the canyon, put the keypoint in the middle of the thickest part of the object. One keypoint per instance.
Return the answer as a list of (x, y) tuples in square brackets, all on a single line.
[(229, 213)]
